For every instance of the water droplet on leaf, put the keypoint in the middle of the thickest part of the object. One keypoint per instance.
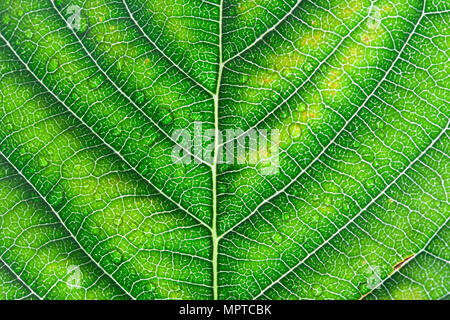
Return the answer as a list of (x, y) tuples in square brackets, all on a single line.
[(316, 290), (95, 82), (118, 221), (316, 201), (277, 238), (53, 64), (91, 296), (368, 156), (295, 130), (43, 162)]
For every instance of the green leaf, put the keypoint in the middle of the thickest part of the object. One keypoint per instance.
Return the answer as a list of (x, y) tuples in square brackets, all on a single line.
[(93, 205)]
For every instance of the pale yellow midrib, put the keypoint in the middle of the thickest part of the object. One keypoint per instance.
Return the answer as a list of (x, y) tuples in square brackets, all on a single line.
[(214, 237)]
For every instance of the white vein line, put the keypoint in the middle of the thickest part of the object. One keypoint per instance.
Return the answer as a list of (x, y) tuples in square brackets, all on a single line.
[(338, 133), (214, 237), (65, 227), (437, 12), (120, 90), (20, 279), (162, 52), (358, 214), (265, 32), (94, 133), (444, 225)]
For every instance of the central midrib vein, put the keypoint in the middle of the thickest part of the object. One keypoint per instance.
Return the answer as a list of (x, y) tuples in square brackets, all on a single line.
[(215, 238)]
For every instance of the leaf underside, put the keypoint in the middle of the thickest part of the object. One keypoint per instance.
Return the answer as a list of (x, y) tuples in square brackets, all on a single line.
[(92, 206)]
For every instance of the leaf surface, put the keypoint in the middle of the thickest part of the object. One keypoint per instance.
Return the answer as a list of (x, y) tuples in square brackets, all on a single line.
[(94, 207)]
